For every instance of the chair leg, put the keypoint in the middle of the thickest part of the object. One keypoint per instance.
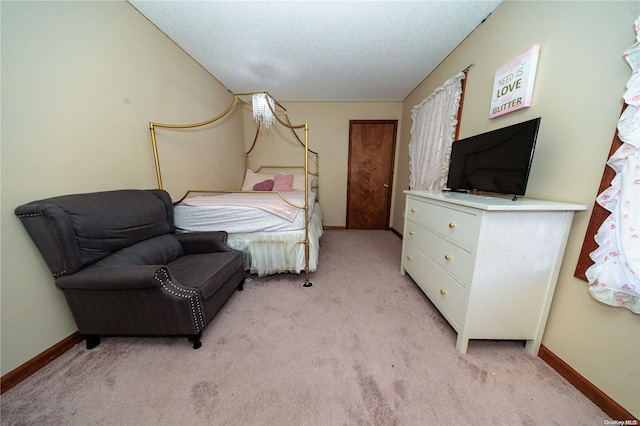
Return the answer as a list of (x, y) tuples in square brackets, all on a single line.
[(195, 339), (92, 340)]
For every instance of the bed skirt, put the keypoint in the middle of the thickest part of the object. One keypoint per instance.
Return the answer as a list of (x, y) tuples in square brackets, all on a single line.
[(266, 253)]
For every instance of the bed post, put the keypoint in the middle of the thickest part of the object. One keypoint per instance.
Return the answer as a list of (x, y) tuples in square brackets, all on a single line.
[(307, 283), (155, 153)]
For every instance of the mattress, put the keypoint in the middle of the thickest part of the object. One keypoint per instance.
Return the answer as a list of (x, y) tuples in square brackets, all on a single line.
[(243, 212)]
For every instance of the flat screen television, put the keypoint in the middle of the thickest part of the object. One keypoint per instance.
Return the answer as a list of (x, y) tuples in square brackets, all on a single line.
[(498, 161)]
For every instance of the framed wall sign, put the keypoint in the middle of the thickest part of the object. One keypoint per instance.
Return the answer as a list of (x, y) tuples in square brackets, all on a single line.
[(513, 84)]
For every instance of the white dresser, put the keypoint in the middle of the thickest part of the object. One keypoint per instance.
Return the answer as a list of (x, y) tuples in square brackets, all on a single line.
[(489, 264)]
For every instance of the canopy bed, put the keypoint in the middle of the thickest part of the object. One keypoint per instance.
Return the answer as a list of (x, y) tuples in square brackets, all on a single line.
[(275, 218)]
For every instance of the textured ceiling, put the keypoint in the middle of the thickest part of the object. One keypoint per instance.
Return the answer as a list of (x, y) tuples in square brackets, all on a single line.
[(318, 50)]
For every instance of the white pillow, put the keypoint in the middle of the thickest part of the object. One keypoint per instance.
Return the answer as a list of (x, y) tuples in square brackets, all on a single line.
[(298, 182), (251, 178)]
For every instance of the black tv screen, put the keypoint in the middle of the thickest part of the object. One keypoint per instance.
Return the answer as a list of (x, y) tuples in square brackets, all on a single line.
[(498, 161)]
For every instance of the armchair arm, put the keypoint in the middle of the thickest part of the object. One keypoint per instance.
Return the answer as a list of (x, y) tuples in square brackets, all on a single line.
[(113, 278), (203, 242), (136, 300)]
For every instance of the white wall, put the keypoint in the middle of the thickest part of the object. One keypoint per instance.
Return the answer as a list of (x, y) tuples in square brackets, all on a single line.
[(580, 80), (80, 83)]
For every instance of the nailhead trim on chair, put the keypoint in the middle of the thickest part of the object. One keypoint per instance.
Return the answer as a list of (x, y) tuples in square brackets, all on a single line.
[(192, 295), (55, 274)]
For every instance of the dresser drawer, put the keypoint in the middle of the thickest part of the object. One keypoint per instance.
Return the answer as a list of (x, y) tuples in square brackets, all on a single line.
[(457, 225), (454, 259), (443, 291)]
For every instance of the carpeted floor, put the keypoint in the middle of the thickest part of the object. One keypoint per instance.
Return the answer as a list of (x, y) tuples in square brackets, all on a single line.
[(364, 346)]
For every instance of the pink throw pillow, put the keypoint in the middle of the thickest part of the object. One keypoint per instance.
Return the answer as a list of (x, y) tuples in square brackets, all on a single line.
[(283, 182), (265, 185)]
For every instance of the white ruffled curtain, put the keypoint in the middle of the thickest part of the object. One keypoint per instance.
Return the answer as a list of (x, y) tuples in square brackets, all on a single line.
[(614, 278), (432, 133)]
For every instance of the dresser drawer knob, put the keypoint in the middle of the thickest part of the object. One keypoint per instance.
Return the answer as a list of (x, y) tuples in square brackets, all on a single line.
[(452, 225), (409, 257), (411, 233), (443, 291), (414, 210), (447, 257)]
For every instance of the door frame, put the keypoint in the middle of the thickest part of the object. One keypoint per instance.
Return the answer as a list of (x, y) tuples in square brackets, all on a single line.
[(391, 166)]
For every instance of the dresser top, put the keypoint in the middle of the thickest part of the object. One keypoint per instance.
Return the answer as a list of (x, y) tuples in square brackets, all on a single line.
[(496, 203)]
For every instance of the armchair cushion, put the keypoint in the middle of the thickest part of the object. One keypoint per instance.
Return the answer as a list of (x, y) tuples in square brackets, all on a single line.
[(160, 250)]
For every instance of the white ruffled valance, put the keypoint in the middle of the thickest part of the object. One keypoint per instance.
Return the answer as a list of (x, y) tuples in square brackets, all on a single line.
[(432, 132), (614, 278)]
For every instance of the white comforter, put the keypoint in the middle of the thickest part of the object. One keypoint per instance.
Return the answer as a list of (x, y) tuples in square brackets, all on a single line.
[(241, 212)]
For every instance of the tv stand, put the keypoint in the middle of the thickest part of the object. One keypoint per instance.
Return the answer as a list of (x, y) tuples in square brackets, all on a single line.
[(489, 265)]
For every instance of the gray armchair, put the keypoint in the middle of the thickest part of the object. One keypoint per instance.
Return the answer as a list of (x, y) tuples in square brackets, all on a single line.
[(124, 271)]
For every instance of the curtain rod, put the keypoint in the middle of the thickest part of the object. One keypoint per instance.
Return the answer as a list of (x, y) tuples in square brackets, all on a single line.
[(467, 68)]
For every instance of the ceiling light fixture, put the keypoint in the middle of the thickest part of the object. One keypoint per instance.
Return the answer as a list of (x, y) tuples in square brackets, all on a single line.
[(263, 107)]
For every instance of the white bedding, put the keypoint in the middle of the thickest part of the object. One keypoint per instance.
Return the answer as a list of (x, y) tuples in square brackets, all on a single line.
[(242, 213)]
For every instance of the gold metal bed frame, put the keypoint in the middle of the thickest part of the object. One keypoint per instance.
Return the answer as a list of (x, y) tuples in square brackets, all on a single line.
[(281, 116)]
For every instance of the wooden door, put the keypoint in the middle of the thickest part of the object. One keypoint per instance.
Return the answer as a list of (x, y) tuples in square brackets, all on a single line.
[(371, 156)]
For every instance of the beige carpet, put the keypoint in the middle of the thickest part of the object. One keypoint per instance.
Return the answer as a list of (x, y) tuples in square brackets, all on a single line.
[(363, 346)]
